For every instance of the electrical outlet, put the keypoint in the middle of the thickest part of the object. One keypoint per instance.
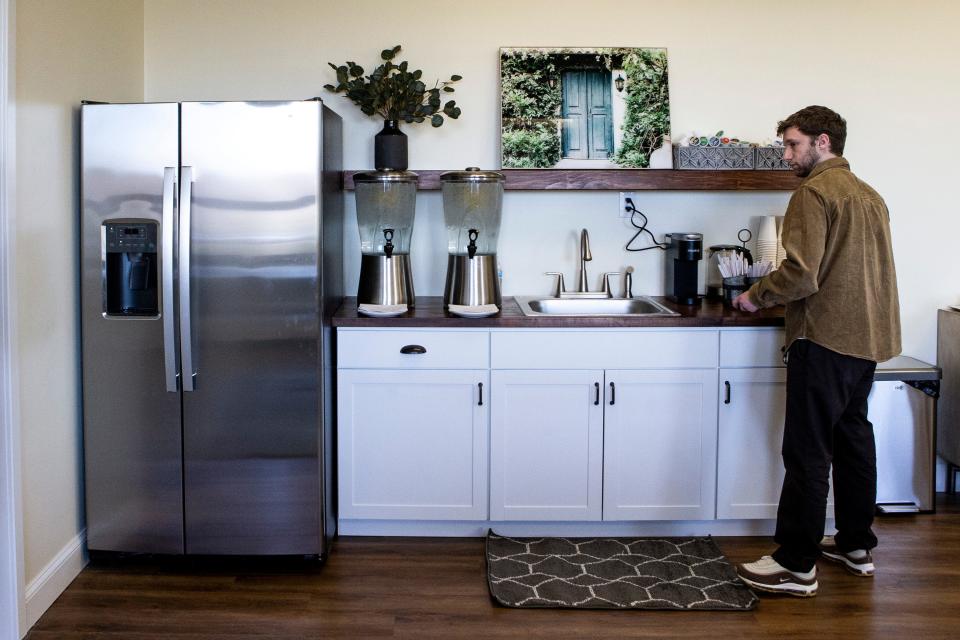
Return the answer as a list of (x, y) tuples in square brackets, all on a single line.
[(625, 210)]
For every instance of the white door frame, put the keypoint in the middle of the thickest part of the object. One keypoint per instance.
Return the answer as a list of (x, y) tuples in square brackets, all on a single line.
[(12, 604)]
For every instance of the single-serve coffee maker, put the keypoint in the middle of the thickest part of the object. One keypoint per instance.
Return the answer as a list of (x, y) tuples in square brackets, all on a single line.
[(472, 207), (682, 269), (386, 203)]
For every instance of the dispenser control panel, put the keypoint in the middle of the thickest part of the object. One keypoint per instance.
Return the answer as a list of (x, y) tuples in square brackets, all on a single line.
[(138, 237)]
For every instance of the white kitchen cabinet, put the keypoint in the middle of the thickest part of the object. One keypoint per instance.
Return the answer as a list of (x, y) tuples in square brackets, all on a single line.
[(753, 391), (660, 444), (642, 446), (546, 443), (577, 426), (750, 435), (412, 444)]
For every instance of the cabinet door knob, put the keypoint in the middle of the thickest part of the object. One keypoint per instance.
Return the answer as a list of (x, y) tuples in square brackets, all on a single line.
[(413, 348), (613, 394), (726, 400), (596, 400), (480, 388)]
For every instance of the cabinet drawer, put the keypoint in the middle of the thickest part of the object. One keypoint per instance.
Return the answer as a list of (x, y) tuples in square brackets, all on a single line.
[(643, 349), (381, 349), (751, 348)]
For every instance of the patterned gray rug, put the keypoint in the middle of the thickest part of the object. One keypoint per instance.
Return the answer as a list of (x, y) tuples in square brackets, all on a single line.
[(614, 573)]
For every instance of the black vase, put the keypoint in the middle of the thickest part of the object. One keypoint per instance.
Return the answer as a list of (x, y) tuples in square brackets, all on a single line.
[(390, 148)]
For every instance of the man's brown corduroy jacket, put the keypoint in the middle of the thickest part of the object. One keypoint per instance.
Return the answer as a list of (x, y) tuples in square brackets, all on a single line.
[(838, 281)]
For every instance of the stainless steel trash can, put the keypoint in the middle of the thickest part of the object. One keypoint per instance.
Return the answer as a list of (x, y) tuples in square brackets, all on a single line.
[(903, 410)]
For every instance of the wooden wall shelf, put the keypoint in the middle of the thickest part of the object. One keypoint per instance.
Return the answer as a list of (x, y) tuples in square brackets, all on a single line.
[(623, 180)]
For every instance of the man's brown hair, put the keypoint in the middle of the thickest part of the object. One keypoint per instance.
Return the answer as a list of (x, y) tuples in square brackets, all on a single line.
[(813, 121)]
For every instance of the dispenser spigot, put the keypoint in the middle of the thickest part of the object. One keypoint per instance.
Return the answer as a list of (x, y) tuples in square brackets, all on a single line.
[(473, 234), (388, 247)]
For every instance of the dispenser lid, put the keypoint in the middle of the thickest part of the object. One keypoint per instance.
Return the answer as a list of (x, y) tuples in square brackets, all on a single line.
[(472, 174), (386, 176)]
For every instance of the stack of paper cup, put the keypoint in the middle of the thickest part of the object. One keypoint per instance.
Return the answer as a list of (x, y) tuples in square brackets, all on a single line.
[(781, 253), (767, 239)]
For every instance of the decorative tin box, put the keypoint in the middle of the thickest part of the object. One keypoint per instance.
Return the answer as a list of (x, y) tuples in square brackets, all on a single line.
[(770, 158), (713, 157)]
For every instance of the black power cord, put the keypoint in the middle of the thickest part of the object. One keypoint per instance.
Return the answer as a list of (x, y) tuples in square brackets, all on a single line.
[(641, 228)]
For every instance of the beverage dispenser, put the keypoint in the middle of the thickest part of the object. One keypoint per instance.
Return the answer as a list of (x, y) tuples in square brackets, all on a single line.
[(130, 269), (386, 203), (472, 203)]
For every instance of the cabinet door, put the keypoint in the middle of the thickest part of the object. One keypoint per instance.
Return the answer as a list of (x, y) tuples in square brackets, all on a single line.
[(660, 445), (412, 444), (546, 445), (749, 440), (749, 465)]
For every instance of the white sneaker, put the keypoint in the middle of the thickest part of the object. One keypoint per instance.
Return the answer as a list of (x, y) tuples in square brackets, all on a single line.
[(859, 562), (766, 574)]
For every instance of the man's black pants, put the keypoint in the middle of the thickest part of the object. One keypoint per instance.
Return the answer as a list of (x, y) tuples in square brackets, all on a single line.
[(826, 422)]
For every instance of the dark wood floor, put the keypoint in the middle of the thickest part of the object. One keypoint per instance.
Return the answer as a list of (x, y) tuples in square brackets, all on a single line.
[(435, 588)]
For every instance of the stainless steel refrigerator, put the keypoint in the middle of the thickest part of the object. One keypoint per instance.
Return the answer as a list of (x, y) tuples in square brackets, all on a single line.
[(210, 266)]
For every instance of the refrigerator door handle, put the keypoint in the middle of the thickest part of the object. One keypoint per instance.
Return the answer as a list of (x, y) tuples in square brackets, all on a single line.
[(169, 335), (186, 335)]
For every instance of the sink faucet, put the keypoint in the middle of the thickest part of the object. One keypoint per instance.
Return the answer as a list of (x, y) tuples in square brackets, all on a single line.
[(585, 257)]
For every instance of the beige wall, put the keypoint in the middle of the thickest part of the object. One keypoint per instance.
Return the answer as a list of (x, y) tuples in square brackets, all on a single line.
[(67, 51), (888, 67)]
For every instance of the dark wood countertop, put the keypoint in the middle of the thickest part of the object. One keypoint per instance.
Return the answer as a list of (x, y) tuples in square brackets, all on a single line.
[(429, 313)]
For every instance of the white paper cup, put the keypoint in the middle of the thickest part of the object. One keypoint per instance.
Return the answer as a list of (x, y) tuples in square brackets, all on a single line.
[(768, 230)]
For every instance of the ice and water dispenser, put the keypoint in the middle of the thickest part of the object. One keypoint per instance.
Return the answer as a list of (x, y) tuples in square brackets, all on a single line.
[(472, 208), (130, 269), (386, 203)]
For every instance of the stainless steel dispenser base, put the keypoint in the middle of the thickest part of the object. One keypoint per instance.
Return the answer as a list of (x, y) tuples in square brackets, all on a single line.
[(472, 281), (386, 280)]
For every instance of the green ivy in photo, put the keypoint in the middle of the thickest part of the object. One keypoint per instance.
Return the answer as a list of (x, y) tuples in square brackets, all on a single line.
[(648, 106), (530, 108)]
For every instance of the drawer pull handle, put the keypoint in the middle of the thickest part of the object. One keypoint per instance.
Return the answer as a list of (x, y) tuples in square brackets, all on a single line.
[(596, 400), (413, 348), (726, 399), (480, 387), (613, 394)]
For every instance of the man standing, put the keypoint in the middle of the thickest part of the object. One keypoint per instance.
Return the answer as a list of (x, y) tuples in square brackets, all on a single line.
[(842, 317)]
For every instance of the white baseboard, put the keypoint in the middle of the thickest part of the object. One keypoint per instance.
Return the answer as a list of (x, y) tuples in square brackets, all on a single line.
[(43, 590), (479, 529)]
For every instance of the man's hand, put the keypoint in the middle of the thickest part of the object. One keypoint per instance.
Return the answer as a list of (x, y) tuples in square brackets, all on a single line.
[(743, 303)]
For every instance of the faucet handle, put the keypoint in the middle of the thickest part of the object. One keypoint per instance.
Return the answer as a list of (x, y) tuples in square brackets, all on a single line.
[(561, 286), (606, 283)]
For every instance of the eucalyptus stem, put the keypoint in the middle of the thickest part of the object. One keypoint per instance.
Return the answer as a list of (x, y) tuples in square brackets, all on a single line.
[(393, 92)]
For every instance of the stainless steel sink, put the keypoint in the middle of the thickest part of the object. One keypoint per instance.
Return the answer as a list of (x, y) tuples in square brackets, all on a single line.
[(640, 306)]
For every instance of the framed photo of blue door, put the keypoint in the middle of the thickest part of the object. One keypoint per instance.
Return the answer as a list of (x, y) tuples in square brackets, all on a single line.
[(587, 129), (583, 108)]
